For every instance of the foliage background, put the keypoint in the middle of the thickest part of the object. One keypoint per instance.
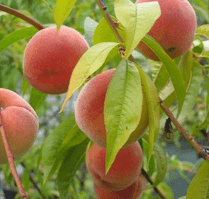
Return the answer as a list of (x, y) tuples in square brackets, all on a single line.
[(11, 77)]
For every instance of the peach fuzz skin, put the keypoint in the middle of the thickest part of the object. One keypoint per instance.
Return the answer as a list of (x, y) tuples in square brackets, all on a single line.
[(89, 110), (174, 29), (134, 191), (50, 58), (20, 124), (124, 170)]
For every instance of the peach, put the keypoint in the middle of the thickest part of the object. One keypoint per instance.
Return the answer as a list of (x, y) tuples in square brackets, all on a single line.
[(124, 170), (134, 191), (174, 29), (50, 58), (89, 110), (20, 124)]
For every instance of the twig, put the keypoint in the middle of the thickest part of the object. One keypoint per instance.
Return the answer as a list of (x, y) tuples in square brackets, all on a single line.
[(11, 159), (34, 183), (199, 149), (22, 16), (144, 173)]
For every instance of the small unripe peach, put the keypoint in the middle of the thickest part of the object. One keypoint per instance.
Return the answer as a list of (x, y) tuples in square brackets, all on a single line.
[(124, 170), (50, 58), (20, 124), (89, 110), (174, 29)]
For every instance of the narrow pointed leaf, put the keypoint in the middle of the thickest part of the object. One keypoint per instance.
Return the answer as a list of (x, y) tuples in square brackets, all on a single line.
[(137, 20), (71, 163), (55, 139), (161, 78), (199, 187), (193, 90), (153, 109), (37, 98), (62, 11), (174, 72), (91, 61), (160, 156), (16, 36), (122, 109)]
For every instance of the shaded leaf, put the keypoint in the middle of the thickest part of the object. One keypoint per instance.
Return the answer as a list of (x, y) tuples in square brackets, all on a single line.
[(37, 98), (16, 36), (160, 156), (55, 139), (71, 163), (153, 109), (193, 90), (174, 72)]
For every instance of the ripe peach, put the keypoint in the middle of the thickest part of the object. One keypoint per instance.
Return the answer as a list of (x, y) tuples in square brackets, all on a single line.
[(134, 191), (174, 29), (50, 58), (89, 110), (20, 124), (124, 170)]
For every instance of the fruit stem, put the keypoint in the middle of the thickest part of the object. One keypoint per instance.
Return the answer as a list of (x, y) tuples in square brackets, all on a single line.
[(21, 16), (145, 174), (10, 158)]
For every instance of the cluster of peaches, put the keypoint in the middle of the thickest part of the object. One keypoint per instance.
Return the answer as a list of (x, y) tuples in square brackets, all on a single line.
[(49, 59)]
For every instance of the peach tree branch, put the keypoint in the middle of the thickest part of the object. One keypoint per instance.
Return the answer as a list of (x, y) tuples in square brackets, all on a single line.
[(10, 158), (21, 16)]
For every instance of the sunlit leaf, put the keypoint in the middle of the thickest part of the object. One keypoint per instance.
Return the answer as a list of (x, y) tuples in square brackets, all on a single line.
[(91, 61), (62, 11), (199, 187), (137, 20)]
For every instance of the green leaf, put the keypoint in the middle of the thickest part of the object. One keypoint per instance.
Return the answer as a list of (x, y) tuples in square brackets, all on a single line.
[(70, 165), (203, 125), (161, 78), (160, 156), (174, 72), (91, 61), (16, 36), (153, 109), (55, 139), (193, 90), (152, 165), (137, 19), (89, 28), (37, 98), (203, 30), (199, 187), (62, 11), (122, 108), (186, 66), (103, 33), (73, 138), (166, 190)]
